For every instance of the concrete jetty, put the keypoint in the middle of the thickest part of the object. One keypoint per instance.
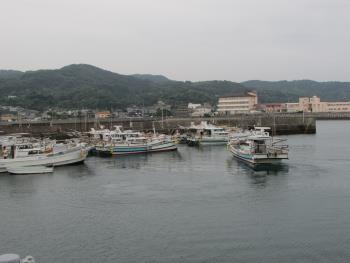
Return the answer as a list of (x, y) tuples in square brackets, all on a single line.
[(280, 124)]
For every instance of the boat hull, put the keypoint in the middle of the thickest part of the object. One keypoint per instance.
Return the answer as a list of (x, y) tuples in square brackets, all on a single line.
[(257, 159), (207, 141), (137, 149), (212, 142), (72, 156), (30, 170)]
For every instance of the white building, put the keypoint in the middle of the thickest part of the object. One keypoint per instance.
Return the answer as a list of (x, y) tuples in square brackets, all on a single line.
[(201, 111), (314, 104), (193, 105), (238, 104)]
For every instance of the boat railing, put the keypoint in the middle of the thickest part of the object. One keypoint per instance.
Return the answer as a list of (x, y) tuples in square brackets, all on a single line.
[(283, 148)]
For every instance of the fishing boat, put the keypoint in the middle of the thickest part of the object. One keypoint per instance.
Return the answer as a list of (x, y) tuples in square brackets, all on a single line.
[(139, 145), (13, 154), (117, 134), (101, 134), (125, 142), (207, 134), (258, 147), (29, 169)]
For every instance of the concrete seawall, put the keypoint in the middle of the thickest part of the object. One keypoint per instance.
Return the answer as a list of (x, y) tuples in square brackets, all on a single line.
[(280, 124)]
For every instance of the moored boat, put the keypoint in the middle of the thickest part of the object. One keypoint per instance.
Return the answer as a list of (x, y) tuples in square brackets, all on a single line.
[(258, 147), (207, 134), (139, 146), (60, 154), (127, 142)]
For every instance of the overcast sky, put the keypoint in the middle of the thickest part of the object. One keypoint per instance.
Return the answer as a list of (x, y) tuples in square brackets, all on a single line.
[(183, 39)]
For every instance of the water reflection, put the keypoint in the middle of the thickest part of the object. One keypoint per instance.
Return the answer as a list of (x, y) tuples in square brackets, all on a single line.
[(140, 160), (268, 168), (75, 171), (18, 186), (128, 162), (259, 174), (205, 148)]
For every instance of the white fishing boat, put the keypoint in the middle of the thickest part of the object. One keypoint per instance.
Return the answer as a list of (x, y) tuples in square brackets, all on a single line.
[(139, 145), (207, 134), (117, 134), (61, 154), (258, 147), (29, 169), (15, 147), (99, 134)]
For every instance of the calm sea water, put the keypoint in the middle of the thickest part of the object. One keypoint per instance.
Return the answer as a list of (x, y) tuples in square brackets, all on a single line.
[(194, 205)]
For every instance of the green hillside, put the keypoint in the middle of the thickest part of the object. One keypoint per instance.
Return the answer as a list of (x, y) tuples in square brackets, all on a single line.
[(86, 86)]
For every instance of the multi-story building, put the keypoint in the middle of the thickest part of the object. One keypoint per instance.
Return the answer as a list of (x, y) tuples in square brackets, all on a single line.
[(304, 104), (273, 107), (313, 104), (337, 107), (237, 103), (292, 107)]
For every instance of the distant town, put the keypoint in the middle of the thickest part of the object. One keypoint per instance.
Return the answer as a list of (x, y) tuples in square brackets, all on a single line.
[(245, 103)]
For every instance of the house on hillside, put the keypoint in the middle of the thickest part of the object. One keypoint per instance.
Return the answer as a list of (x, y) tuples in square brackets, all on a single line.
[(102, 114), (8, 117), (182, 112), (202, 111), (194, 105), (135, 111)]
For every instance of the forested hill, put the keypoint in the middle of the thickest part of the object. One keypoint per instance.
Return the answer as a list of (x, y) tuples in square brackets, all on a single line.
[(8, 74), (154, 78), (85, 86), (289, 91)]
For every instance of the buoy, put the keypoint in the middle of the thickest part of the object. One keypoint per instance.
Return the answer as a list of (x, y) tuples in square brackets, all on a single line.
[(10, 258)]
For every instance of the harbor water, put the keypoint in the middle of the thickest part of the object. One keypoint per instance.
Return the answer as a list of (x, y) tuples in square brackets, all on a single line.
[(192, 205)]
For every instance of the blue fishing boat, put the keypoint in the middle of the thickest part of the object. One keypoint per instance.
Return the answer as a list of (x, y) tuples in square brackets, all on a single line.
[(129, 142), (144, 146)]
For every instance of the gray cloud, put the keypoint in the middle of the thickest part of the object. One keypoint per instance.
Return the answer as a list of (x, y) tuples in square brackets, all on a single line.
[(182, 39)]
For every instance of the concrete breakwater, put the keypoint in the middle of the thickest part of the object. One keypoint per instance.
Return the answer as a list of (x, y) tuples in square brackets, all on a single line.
[(280, 125)]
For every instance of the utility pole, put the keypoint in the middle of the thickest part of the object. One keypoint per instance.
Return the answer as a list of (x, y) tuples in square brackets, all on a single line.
[(162, 118), (85, 121)]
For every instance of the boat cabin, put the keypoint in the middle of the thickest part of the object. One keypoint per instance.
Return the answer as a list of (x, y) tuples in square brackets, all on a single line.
[(18, 150), (206, 129)]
